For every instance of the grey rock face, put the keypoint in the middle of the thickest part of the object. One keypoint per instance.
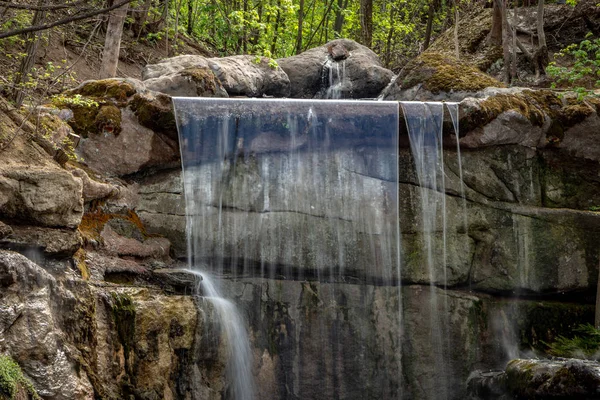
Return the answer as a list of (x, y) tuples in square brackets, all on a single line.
[(309, 76), (75, 341), (50, 242), (49, 196), (236, 76), (135, 148), (31, 325), (243, 76)]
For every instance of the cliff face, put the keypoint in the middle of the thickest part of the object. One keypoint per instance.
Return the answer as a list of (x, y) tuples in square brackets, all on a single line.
[(97, 309)]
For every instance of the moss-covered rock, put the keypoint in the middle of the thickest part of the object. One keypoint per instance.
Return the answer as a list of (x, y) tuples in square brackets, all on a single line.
[(155, 111), (13, 384), (437, 73), (108, 120), (539, 107), (117, 89)]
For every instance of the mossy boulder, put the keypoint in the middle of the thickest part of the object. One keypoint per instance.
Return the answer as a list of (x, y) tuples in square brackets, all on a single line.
[(108, 120), (197, 80), (155, 111), (438, 76), (117, 89), (545, 114)]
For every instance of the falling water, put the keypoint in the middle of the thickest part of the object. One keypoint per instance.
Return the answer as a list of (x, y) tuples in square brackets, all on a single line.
[(289, 189), (338, 82), (424, 123), (239, 355)]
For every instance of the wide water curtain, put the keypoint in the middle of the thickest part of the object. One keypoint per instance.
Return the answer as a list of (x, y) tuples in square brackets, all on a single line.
[(292, 190)]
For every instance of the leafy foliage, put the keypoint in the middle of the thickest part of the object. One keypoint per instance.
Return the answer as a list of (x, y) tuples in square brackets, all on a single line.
[(584, 73), (11, 378), (585, 344)]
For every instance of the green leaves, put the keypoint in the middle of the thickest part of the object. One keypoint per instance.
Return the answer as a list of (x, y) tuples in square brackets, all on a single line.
[(579, 65)]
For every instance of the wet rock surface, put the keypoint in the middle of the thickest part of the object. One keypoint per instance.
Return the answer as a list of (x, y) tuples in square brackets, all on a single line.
[(538, 379)]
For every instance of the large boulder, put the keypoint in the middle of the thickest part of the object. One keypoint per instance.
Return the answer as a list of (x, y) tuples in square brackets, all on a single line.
[(538, 379), (217, 77), (355, 65), (437, 77)]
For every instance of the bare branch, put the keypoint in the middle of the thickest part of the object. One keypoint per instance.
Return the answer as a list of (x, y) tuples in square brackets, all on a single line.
[(32, 7), (63, 21)]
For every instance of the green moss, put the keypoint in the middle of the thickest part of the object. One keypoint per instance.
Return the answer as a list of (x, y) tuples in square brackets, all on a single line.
[(535, 105), (155, 112), (84, 116), (443, 73), (206, 82), (12, 379), (519, 374), (106, 88), (123, 311), (108, 119)]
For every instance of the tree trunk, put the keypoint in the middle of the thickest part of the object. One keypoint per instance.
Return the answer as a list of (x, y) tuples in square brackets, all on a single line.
[(430, 14), (112, 42), (300, 25), (366, 22), (506, 39), (33, 42), (339, 17), (276, 29), (141, 16), (513, 71), (542, 51), (495, 38), (190, 17), (597, 314), (456, 20), (388, 44)]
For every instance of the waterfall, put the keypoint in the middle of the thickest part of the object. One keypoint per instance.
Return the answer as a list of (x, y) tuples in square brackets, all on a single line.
[(337, 80), (424, 123), (290, 190)]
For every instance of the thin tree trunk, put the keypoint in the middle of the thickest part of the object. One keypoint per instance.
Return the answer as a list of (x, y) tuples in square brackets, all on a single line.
[(190, 19), (597, 314), (141, 16), (33, 42), (276, 29), (456, 20), (178, 9), (366, 22), (495, 38), (430, 14), (300, 26), (339, 17), (388, 44), (513, 71), (112, 43), (505, 42), (542, 52)]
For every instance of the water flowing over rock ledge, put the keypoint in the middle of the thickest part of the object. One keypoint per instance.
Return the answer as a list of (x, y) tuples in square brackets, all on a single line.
[(104, 310)]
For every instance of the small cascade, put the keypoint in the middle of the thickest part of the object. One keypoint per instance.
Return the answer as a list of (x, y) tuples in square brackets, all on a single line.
[(338, 83), (239, 355)]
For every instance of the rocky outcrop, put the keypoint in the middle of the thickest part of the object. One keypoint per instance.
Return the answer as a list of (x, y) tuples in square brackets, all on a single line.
[(357, 71), (437, 77), (74, 340), (217, 77), (539, 379), (355, 65)]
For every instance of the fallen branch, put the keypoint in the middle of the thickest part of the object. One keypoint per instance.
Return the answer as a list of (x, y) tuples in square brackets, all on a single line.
[(63, 21)]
